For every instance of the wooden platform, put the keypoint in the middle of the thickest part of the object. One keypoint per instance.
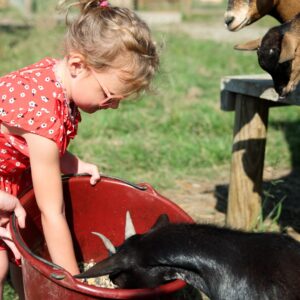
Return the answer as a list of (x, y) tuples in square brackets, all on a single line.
[(250, 97), (13, 24)]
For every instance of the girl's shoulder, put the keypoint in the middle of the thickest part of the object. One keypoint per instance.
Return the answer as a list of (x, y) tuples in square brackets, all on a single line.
[(31, 71), (32, 86), (41, 65), (33, 99)]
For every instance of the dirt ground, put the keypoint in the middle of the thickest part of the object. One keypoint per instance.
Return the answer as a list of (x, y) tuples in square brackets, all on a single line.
[(206, 201)]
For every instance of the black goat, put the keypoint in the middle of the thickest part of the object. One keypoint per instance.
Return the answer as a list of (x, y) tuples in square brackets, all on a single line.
[(225, 264), (279, 54)]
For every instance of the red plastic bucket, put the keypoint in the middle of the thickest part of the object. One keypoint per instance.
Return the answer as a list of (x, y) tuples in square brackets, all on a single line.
[(101, 208)]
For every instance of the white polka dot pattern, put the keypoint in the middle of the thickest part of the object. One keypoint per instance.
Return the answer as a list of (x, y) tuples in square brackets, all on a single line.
[(32, 99)]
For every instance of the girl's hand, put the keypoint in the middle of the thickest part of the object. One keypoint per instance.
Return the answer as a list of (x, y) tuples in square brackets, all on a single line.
[(84, 167), (9, 204), (5, 235), (71, 164)]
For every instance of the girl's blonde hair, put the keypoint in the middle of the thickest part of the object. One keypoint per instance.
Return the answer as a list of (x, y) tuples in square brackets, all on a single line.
[(113, 37)]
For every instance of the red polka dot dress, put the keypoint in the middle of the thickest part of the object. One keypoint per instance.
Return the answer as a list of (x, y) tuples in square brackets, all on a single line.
[(34, 100)]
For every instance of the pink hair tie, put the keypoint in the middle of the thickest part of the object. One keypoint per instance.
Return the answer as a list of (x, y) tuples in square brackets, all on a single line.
[(103, 4)]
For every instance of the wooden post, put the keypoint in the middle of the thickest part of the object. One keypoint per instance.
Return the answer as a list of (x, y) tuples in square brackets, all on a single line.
[(27, 7), (186, 6), (245, 191), (136, 4)]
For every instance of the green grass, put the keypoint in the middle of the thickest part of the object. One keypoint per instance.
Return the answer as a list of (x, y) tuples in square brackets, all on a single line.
[(9, 293), (180, 131), (176, 132)]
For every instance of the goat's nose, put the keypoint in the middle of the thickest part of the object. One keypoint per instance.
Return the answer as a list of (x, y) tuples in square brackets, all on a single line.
[(228, 20), (280, 90)]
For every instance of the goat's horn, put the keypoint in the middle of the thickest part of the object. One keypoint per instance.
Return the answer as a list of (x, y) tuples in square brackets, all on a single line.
[(107, 243), (129, 228)]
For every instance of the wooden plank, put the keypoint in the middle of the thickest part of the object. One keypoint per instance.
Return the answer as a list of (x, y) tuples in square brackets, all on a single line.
[(245, 190), (227, 100), (9, 24), (259, 86)]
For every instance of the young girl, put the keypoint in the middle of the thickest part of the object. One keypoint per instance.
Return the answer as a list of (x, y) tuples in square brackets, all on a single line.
[(109, 55)]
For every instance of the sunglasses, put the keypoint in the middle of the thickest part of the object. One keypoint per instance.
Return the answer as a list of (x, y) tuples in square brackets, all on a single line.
[(109, 100)]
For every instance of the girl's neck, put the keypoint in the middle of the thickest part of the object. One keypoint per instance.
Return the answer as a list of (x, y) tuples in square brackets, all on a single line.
[(60, 71)]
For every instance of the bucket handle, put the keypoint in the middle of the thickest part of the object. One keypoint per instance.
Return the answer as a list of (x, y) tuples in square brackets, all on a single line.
[(69, 176), (136, 186)]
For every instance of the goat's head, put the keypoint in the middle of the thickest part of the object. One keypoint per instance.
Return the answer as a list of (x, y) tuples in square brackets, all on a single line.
[(241, 13), (128, 267), (278, 54)]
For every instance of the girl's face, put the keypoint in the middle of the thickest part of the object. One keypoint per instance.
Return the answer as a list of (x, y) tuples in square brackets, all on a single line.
[(92, 91)]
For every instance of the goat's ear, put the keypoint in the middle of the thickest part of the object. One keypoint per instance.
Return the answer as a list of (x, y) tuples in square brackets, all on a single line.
[(161, 221), (288, 47), (249, 46), (113, 264)]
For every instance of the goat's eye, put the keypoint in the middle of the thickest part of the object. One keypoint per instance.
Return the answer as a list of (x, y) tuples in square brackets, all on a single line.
[(272, 51)]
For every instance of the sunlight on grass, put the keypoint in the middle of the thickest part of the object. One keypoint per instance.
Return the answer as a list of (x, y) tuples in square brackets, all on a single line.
[(176, 130)]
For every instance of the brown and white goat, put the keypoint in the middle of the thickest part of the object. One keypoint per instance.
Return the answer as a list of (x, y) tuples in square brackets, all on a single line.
[(241, 13), (279, 54), (225, 264)]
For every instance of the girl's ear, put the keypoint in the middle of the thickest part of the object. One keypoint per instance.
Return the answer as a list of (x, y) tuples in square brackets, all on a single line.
[(76, 63)]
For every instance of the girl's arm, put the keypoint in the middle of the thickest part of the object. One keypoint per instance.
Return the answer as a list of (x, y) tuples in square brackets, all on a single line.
[(71, 164), (47, 184)]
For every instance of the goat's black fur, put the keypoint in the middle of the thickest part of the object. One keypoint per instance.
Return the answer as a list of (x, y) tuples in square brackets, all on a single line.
[(268, 57), (225, 264), (279, 54)]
